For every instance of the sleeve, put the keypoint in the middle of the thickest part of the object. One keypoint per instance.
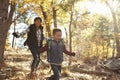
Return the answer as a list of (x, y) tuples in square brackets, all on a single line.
[(23, 33), (46, 38), (44, 48), (67, 52)]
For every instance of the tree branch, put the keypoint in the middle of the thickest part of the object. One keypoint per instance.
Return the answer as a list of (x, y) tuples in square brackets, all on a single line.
[(12, 7)]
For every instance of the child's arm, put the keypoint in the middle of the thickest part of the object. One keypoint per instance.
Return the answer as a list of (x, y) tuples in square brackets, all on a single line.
[(43, 49), (17, 34), (68, 53)]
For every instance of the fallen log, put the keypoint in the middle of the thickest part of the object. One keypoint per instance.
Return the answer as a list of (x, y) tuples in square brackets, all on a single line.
[(90, 72)]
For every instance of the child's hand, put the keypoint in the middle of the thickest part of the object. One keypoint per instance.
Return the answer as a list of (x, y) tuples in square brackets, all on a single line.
[(73, 54), (15, 34)]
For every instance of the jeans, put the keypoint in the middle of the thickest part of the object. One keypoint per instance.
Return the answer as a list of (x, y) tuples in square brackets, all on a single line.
[(36, 57), (57, 71)]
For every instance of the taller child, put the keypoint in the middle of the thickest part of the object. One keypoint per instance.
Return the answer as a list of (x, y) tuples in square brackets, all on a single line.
[(34, 40)]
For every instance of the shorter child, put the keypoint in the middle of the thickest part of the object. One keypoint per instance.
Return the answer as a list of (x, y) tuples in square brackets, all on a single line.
[(55, 48)]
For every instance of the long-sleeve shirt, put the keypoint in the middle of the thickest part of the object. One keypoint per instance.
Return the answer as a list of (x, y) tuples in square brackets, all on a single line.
[(38, 34), (55, 52), (23, 32), (45, 48)]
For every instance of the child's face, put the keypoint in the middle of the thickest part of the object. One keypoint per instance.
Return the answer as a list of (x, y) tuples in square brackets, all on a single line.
[(37, 23), (57, 36)]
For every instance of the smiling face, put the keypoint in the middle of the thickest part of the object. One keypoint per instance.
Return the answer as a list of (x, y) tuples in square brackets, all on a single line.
[(57, 36), (37, 23)]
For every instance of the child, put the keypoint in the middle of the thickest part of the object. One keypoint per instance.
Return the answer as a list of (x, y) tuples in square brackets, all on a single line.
[(55, 48), (34, 41)]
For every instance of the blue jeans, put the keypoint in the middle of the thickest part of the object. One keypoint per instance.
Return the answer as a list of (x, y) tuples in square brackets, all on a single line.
[(36, 57), (57, 71)]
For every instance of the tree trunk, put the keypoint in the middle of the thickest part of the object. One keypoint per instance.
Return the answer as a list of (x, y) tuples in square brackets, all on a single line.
[(4, 27), (97, 50), (54, 11), (13, 41), (107, 50), (46, 21), (116, 31), (70, 32), (54, 17), (5, 22), (70, 35), (113, 50), (66, 33)]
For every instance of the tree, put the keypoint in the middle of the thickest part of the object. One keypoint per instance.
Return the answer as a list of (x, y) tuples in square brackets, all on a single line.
[(116, 29), (7, 10), (5, 22), (45, 16), (54, 10), (102, 35)]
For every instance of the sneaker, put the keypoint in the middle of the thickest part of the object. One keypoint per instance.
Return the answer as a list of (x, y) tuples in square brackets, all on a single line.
[(32, 76), (50, 78)]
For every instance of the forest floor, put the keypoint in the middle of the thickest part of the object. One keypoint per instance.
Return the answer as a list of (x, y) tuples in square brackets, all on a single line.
[(18, 67)]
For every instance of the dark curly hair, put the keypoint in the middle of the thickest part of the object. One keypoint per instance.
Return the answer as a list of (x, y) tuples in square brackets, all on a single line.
[(38, 18)]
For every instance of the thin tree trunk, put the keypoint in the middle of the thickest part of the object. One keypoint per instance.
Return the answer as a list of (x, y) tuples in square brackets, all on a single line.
[(46, 22), (113, 51), (13, 36), (107, 50), (70, 32), (91, 49), (66, 35), (70, 36), (116, 31), (54, 17), (97, 49), (103, 47), (54, 14)]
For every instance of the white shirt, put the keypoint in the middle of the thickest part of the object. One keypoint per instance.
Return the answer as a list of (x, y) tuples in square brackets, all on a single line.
[(38, 34)]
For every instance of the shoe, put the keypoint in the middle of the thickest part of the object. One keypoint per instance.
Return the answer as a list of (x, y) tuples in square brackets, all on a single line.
[(51, 78), (32, 76)]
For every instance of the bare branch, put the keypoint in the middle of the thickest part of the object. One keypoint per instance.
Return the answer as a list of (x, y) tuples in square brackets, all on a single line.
[(12, 7)]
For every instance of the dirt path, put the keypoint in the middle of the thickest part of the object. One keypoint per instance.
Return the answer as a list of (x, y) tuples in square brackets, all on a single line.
[(21, 60)]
